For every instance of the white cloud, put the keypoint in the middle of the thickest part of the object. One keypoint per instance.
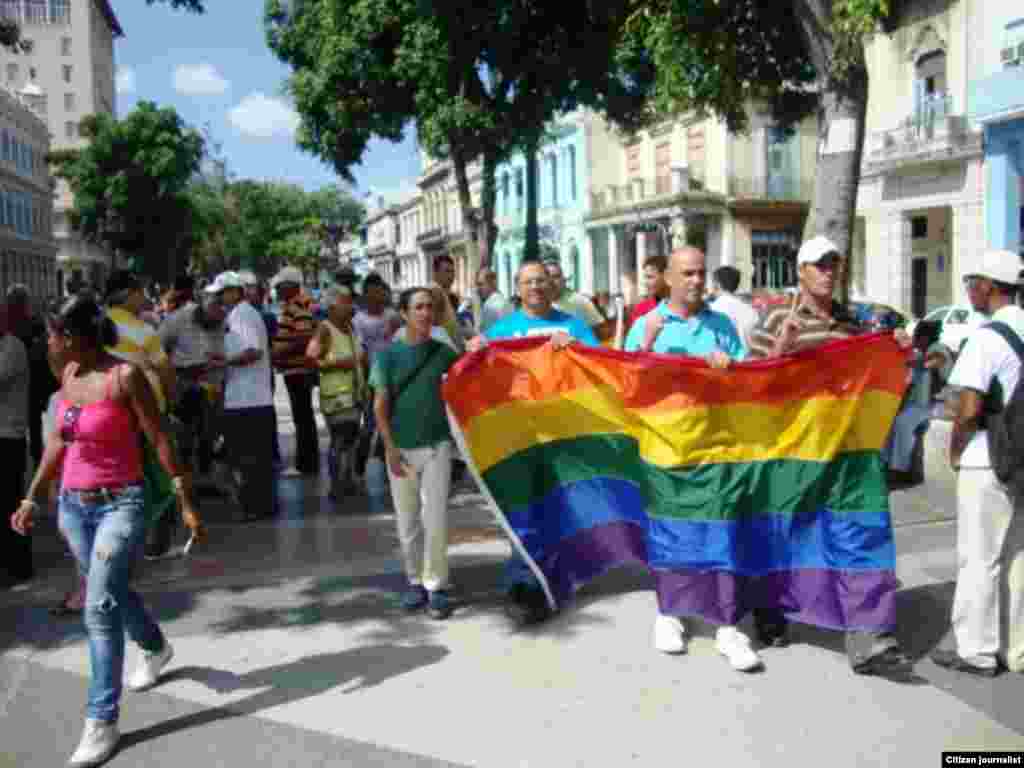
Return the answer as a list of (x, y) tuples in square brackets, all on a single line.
[(199, 80), (261, 117), (124, 81)]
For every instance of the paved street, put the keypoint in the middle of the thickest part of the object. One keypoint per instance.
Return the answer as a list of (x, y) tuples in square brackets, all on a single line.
[(291, 650)]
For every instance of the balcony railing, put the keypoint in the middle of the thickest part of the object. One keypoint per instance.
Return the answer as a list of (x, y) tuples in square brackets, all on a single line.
[(931, 132), (36, 11), (771, 187), (639, 190)]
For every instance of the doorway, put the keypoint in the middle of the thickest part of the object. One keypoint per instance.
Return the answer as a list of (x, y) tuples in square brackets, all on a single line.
[(919, 287)]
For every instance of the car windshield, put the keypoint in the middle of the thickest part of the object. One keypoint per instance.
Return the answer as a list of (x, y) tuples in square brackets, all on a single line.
[(958, 316), (936, 314)]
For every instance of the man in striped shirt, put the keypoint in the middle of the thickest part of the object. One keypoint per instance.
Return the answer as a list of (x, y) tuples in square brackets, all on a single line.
[(813, 318), (294, 331)]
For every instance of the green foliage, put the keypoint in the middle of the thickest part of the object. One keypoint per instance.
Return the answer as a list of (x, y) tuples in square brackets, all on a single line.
[(129, 181), (716, 56)]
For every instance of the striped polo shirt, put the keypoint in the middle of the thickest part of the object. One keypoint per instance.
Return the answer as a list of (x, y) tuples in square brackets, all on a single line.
[(296, 324), (814, 331)]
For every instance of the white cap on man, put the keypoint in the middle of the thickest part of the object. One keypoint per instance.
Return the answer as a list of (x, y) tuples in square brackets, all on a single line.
[(224, 280), (815, 249), (248, 278), (288, 275), (999, 266)]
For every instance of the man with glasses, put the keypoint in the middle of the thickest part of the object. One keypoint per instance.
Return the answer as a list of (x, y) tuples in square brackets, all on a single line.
[(527, 603), (813, 318)]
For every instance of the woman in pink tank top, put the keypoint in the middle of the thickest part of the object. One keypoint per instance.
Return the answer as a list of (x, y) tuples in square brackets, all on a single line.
[(104, 406)]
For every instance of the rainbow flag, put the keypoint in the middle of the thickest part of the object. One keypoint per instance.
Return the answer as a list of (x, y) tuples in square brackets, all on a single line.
[(759, 485)]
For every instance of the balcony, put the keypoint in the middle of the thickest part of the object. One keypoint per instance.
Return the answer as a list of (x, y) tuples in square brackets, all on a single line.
[(773, 187), (931, 134)]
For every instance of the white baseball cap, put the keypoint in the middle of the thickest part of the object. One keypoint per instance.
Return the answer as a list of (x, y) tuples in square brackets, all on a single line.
[(224, 280), (288, 275), (815, 249), (248, 277), (1000, 266)]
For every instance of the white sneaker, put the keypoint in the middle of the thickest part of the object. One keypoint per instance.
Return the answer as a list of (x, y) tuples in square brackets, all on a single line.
[(150, 666), (669, 634), (99, 740), (735, 646)]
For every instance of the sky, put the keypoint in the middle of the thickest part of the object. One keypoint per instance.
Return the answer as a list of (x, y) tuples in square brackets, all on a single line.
[(217, 71)]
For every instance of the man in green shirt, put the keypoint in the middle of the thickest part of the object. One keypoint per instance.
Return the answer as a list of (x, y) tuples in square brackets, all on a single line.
[(406, 381)]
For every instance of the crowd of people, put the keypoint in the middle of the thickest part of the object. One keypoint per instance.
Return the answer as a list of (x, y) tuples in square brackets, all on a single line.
[(134, 391)]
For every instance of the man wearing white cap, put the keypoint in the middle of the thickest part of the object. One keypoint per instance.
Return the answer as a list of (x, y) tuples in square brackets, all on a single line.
[(990, 515), (248, 420), (813, 318)]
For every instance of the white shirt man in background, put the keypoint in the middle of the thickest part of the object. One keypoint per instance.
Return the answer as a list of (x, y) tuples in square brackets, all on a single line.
[(990, 515), (743, 316)]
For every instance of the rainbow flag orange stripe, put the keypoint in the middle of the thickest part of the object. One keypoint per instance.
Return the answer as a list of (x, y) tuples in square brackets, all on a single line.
[(757, 485)]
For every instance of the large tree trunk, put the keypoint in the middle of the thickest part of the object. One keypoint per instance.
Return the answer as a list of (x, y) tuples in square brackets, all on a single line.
[(461, 165), (842, 116), (531, 249)]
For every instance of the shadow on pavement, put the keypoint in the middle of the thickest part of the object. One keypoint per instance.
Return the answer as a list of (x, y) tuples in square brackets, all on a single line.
[(286, 683)]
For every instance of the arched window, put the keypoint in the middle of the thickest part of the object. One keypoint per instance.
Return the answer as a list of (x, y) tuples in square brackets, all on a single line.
[(931, 93), (553, 164), (572, 172), (574, 265)]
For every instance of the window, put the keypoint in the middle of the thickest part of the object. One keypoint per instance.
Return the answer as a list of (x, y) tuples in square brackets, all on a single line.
[(70, 130), (662, 168), (505, 191), (12, 72), (918, 227), (519, 189), (572, 173), (553, 164), (66, 71), (6, 146), (65, 46), (60, 12), (28, 44), (633, 162), (69, 102), (10, 9)]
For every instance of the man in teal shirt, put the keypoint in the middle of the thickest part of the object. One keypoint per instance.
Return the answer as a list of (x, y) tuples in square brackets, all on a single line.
[(683, 324)]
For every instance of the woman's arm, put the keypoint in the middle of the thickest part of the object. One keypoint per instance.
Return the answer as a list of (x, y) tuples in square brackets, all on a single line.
[(49, 466)]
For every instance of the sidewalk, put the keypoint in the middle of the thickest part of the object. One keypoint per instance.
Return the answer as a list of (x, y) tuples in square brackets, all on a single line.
[(291, 650)]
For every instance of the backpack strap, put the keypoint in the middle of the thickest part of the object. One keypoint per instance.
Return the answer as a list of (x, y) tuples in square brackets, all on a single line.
[(1010, 337), (993, 402)]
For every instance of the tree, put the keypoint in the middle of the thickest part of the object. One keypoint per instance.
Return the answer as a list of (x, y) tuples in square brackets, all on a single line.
[(129, 183), (801, 57), (10, 29), (478, 79)]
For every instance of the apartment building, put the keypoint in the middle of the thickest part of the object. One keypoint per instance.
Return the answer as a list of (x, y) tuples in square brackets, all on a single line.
[(70, 70), (28, 252), (743, 199)]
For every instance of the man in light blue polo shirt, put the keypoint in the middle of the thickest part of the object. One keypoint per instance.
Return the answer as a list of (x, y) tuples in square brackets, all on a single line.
[(526, 602), (683, 324)]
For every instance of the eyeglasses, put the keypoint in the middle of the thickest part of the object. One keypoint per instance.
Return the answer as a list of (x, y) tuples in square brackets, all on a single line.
[(534, 281), (70, 425)]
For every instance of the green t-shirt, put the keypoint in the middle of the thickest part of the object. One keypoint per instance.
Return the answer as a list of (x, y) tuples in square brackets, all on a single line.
[(418, 418)]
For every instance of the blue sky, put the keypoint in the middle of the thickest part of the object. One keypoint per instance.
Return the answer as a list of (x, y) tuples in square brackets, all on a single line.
[(217, 69)]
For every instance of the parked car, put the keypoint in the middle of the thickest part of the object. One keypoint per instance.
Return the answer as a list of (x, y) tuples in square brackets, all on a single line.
[(880, 317), (956, 323)]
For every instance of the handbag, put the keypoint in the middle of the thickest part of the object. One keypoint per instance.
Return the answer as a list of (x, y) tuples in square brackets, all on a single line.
[(369, 442)]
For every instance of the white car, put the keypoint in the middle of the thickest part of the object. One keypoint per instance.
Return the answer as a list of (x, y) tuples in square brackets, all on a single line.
[(956, 323)]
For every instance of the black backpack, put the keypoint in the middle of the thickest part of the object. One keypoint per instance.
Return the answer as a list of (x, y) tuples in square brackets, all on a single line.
[(1005, 424)]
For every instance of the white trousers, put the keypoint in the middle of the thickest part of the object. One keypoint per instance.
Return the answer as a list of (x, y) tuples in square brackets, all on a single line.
[(988, 607), (421, 512)]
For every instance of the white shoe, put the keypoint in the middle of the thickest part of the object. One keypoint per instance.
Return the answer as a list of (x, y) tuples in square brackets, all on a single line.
[(735, 646), (99, 740), (150, 666), (669, 634)]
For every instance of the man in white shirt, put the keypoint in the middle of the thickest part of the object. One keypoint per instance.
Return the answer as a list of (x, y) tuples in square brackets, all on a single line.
[(248, 420), (990, 515), (493, 306), (743, 316)]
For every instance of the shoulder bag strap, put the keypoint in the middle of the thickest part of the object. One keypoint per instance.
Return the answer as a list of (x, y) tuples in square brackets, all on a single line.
[(400, 389), (1010, 337)]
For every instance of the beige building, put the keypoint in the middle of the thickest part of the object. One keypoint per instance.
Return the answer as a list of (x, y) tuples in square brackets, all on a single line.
[(71, 63), (27, 248), (743, 199)]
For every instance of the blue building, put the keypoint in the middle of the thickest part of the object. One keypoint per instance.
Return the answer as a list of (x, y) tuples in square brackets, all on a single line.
[(562, 202), (997, 103)]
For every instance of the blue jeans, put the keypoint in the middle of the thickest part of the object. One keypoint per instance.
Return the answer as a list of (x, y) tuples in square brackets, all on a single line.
[(106, 538)]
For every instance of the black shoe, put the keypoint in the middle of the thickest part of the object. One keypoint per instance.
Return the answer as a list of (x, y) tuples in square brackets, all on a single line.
[(527, 605), (439, 604), (772, 633), (956, 662), (890, 662)]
